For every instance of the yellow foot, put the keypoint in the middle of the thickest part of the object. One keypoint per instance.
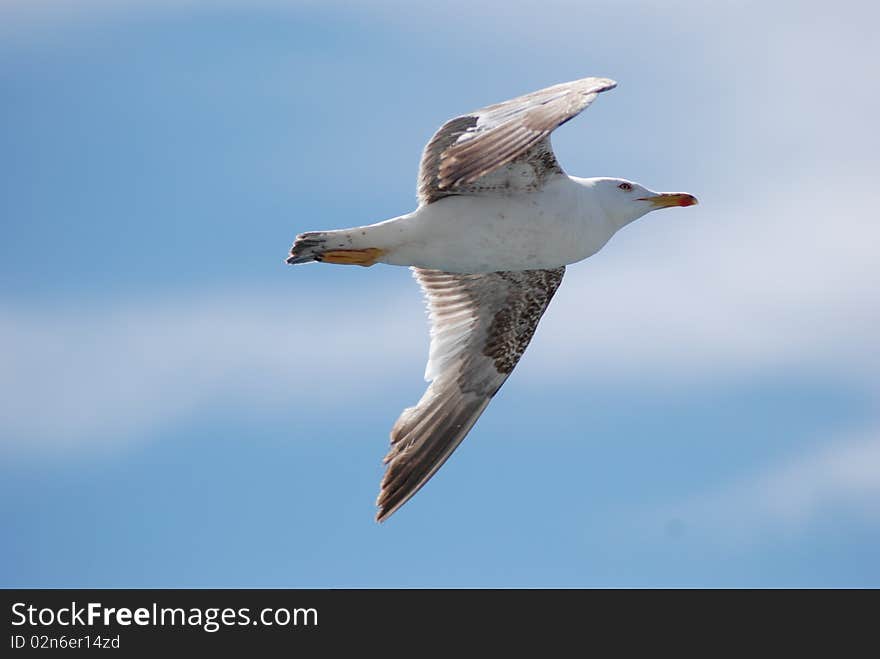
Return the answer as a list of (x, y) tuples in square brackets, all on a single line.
[(364, 257)]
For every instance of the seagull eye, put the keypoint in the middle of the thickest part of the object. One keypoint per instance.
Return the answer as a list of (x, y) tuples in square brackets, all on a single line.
[(626, 187)]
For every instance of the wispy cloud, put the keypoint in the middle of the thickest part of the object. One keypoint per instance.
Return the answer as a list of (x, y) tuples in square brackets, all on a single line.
[(100, 376), (784, 499)]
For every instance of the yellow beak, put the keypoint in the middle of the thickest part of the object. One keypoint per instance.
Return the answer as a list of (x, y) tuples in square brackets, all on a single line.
[(667, 199)]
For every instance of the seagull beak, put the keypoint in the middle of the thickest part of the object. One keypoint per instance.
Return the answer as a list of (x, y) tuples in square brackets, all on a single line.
[(667, 199)]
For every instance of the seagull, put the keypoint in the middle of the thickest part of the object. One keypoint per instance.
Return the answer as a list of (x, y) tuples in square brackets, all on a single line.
[(498, 221)]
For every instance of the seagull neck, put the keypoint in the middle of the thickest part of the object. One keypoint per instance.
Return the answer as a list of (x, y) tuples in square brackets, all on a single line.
[(593, 207)]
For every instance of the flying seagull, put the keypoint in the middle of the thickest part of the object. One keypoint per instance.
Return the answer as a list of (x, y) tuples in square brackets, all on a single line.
[(497, 222)]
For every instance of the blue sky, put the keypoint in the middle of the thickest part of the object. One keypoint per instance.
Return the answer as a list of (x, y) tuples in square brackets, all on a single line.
[(699, 406)]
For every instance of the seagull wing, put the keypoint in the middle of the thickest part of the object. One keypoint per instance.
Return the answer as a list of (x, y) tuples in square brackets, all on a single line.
[(480, 326), (471, 146)]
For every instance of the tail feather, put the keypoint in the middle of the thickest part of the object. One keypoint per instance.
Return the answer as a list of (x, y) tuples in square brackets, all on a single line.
[(343, 247), (308, 247)]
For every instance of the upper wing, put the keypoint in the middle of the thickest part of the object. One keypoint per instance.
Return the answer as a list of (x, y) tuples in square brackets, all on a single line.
[(480, 326), (473, 145)]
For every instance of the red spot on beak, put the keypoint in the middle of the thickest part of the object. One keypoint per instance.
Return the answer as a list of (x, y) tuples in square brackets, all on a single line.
[(687, 200)]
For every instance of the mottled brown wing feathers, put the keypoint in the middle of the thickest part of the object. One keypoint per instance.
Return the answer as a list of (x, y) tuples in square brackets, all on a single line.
[(471, 146), (480, 326)]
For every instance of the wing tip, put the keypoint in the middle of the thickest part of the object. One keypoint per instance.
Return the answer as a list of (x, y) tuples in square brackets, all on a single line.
[(606, 84), (588, 85), (599, 85), (386, 506), (383, 514)]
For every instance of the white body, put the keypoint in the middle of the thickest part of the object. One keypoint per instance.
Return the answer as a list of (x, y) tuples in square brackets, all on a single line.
[(564, 222)]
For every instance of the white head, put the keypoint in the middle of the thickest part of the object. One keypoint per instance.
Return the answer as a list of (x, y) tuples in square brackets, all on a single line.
[(624, 201)]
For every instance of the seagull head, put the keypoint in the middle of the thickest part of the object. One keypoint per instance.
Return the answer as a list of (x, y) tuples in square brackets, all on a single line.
[(625, 201)]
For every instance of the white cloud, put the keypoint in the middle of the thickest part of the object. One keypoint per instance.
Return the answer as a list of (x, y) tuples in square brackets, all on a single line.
[(96, 376), (784, 499)]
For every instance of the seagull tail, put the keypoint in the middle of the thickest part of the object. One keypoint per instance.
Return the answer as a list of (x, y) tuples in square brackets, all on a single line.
[(332, 247), (308, 247)]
